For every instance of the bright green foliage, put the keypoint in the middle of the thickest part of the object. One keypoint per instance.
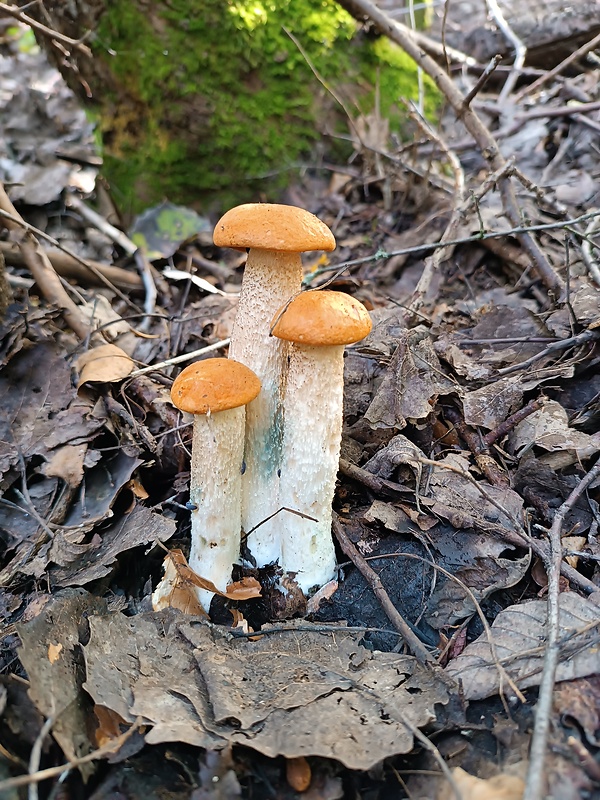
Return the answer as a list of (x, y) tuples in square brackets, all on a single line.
[(226, 97)]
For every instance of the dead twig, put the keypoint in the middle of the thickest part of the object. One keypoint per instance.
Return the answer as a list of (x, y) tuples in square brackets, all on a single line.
[(68, 267), (512, 421), (432, 263), (534, 787), (480, 133), (517, 536), (548, 76), (483, 79), (587, 250), (554, 347), (478, 237), (125, 243), (35, 756), (36, 232), (40, 267), (412, 641), (520, 49), (476, 444), (179, 359), (53, 35), (52, 772)]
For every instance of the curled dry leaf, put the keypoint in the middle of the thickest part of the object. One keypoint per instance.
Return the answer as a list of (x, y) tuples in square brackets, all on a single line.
[(104, 364), (176, 589), (549, 429)]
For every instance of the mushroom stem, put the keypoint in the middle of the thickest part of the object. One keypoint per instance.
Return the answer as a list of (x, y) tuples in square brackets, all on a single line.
[(216, 392), (215, 487), (319, 323), (313, 408), (271, 278)]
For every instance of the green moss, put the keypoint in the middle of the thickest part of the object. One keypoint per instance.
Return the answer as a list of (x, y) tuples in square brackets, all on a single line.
[(218, 95)]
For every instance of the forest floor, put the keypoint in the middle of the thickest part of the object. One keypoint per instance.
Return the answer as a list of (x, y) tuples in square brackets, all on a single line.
[(466, 509)]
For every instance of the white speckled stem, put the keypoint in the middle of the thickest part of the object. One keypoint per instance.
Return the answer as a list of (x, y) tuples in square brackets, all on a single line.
[(215, 490), (313, 408), (270, 279)]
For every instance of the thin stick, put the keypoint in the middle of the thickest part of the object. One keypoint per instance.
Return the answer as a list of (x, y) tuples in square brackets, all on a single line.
[(42, 270), (179, 359), (553, 347), (36, 754), (480, 133), (19, 221), (70, 268), (534, 787), (52, 772), (483, 79), (419, 650), (520, 49), (543, 79), (432, 263), (478, 237), (14, 12)]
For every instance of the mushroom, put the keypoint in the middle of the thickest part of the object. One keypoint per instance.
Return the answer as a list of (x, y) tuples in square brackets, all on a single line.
[(216, 392), (276, 235), (319, 323)]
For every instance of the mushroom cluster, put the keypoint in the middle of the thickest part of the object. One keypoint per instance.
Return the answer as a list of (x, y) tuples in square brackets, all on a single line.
[(273, 442)]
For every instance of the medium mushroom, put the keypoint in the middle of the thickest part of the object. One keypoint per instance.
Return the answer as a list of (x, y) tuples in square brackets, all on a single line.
[(216, 392), (276, 235), (320, 324)]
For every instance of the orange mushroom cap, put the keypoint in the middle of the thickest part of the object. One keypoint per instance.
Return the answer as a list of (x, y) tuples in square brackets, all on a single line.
[(216, 384), (270, 226), (321, 318)]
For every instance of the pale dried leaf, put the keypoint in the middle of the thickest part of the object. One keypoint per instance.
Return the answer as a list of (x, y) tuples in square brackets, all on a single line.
[(519, 635), (489, 406), (67, 463), (549, 429), (196, 683), (104, 364), (412, 383)]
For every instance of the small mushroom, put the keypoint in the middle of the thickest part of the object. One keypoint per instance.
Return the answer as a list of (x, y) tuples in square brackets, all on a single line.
[(216, 392), (276, 235), (320, 324)]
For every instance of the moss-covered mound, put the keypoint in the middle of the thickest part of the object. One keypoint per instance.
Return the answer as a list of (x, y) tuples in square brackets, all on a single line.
[(203, 96)]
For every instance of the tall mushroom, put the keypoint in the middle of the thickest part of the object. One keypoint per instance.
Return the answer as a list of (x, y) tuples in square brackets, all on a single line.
[(276, 235), (320, 324), (216, 392)]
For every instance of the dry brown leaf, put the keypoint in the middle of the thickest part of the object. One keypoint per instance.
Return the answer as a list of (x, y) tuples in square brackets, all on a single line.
[(174, 591), (54, 651), (197, 683), (239, 621), (67, 463), (104, 364), (242, 590), (573, 543), (109, 725), (176, 587), (549, 429), (500, 787), (519, 633), (138, 489), (411, 384), (488, 406)]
